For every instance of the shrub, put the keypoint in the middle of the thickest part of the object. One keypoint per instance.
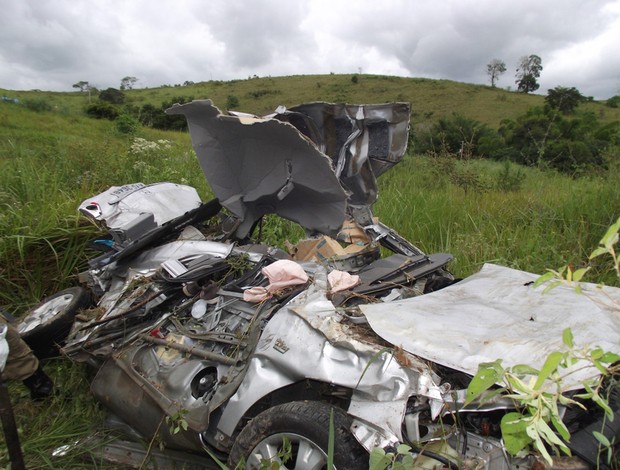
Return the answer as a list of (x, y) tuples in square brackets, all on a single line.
[(126, 124), (154, 116), (256, 94), (232, 102), (509, 178), (613, 102), (102, 110), (457, 136), (112, 95), (37, 104), (544, 137)]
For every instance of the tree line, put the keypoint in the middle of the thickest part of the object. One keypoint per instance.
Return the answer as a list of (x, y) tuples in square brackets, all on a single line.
[(556, 135)]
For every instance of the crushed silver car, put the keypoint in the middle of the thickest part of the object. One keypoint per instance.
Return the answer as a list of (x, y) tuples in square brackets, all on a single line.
[(192, 317)]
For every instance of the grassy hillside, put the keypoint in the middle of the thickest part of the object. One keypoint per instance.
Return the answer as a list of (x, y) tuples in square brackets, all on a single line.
[(430, 99)]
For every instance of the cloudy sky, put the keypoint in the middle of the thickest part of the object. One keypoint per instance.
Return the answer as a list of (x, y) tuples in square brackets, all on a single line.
[(52, 44)]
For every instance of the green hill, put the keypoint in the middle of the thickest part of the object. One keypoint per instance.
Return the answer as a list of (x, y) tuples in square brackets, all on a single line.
[(430, 99)]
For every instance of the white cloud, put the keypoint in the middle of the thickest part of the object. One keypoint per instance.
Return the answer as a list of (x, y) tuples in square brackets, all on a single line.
[(53, 44)]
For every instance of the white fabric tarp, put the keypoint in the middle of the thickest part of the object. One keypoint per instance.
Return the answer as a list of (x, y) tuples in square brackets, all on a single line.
[(498, 314)]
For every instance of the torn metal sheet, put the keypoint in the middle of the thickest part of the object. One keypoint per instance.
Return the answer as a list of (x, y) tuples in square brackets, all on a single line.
[(120, 205), (498, 314), (363, 141), (262, 166)]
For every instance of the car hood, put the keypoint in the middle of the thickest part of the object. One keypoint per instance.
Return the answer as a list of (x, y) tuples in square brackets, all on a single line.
[(310, 164), (497, 313)]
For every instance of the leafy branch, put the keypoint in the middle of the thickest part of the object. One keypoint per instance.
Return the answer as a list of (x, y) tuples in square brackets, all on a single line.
[(539, 394)]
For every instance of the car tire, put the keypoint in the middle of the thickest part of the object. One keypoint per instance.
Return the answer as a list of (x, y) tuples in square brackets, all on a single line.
[(306, 425), (48, 324)]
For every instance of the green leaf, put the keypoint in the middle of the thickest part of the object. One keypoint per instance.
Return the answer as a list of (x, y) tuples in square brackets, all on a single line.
[(220, 464), (550, 366), (560, 427), (518, 385), (600, 401), (596, 353), (488, 374), (403, 449), (609, 358), (408, 461), (544, 278), (514, 431), (524, 369), (551, 285), (540, 446), (330, 441), (601, 438), (567, 337), (598, 252), (379, 460), (548, 435), (602, 369), (578, 275), (611, 236), (564, 400)]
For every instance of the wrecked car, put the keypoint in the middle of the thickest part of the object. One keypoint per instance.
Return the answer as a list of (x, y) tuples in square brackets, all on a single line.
[(186, 315)]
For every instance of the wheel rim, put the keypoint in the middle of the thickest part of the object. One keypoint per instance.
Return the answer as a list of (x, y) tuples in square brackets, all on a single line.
[(306, 454), (44, 313)]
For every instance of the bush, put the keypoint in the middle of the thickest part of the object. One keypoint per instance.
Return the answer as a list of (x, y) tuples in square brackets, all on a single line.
[(509, 178), (102, 110), (37, 104), (232, 102), (112, 95), (126, 124), (544, 137), (153, 116), (457, 136), (613, 102)]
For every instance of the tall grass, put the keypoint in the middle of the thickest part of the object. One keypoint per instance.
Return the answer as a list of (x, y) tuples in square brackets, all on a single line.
[(550, 220), (49, 163), (69, 417)]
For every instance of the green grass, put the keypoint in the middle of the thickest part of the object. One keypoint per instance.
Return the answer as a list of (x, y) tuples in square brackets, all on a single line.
[(550, 221), (51, 161)]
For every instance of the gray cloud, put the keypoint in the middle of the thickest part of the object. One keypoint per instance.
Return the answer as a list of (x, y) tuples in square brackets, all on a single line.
[(51, 45)]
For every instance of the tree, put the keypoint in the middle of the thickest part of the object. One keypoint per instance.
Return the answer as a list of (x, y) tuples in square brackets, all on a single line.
[(82, 85), (127, 83), (494, 69), (564, 99), (527, 72)]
